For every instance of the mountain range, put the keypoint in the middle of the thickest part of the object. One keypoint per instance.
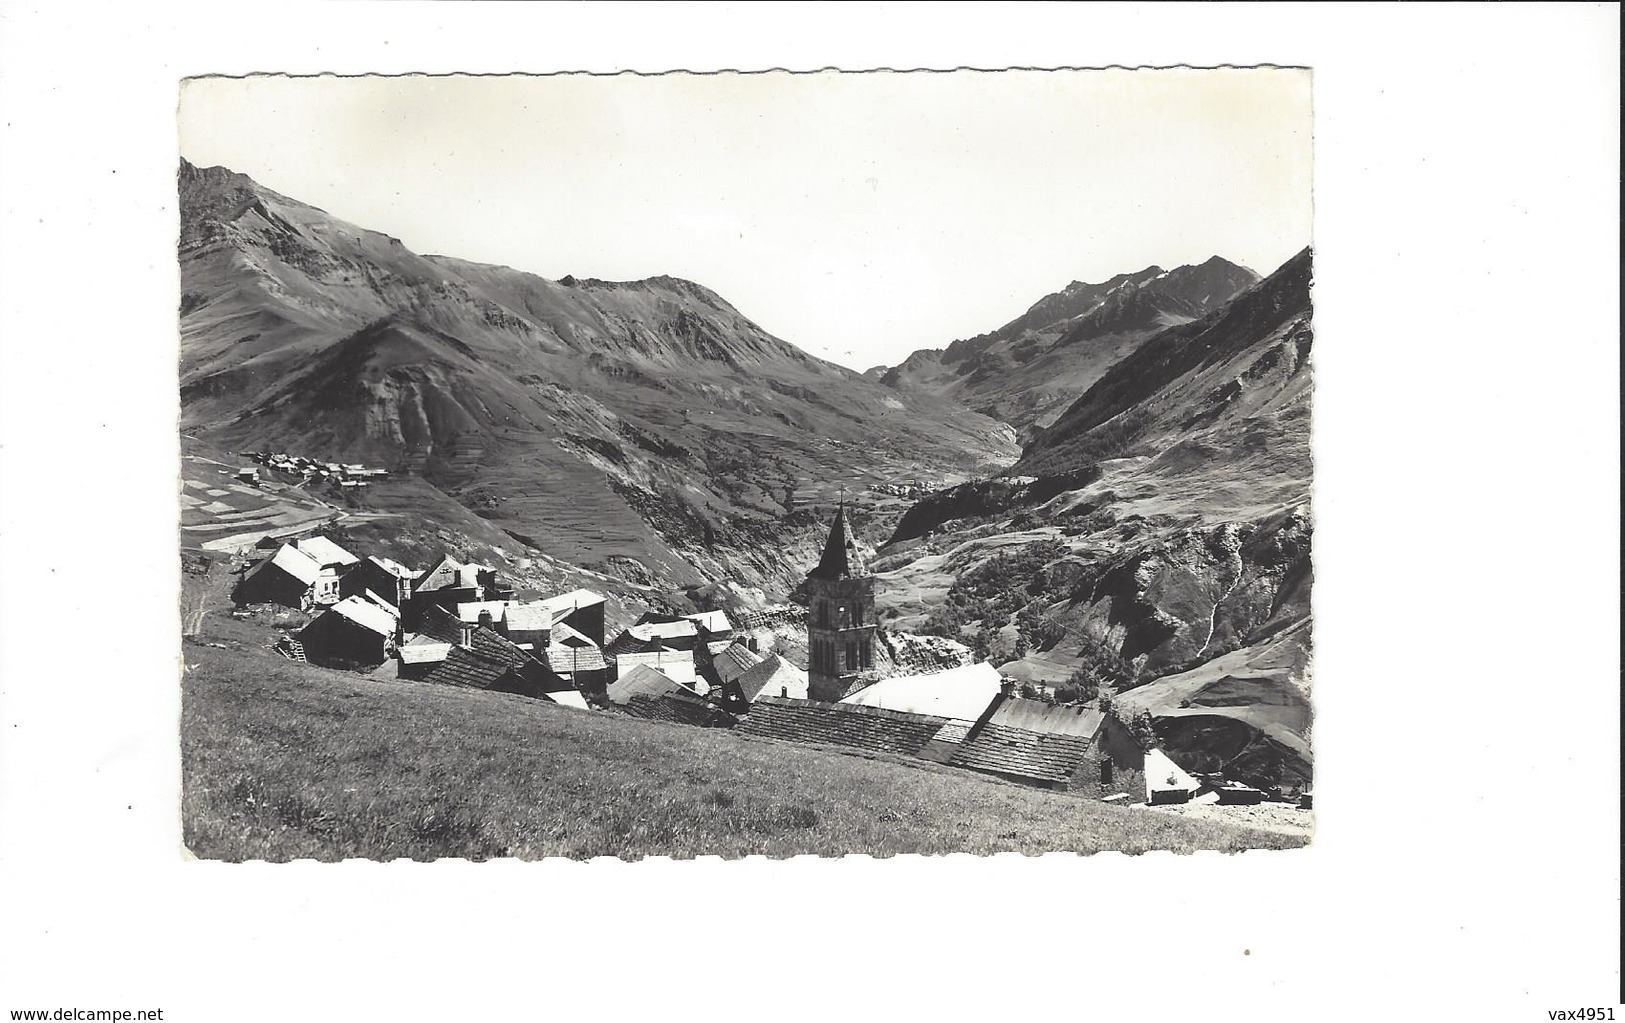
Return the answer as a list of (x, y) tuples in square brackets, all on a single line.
[(1025, 372), (1114, 483), (646, 428), (1156, 534)]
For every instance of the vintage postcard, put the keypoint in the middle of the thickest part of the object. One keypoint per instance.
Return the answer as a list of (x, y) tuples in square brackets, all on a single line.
[(734, 464)]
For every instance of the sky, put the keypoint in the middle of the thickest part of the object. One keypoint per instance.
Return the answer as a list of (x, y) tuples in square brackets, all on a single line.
[(859, 216)]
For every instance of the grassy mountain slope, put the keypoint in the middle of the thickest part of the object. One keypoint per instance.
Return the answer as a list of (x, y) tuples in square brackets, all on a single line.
[(284, 761)]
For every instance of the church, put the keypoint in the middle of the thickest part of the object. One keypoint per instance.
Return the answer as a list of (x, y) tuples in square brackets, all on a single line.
[(840, 617)]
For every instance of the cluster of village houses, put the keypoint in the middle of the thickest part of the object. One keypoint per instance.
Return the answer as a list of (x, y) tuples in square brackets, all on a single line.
[(340, 474), (461, 625)]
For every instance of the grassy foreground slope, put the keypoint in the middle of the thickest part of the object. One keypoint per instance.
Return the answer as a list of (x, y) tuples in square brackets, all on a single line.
[(285, 761)]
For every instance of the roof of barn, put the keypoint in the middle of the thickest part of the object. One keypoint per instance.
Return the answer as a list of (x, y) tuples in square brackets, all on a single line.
[(365, 614), (292, 561), (1038, 756), (874, 729), (963, 692), (326, 552)]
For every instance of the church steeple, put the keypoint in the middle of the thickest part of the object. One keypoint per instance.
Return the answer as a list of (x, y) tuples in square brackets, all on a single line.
[(841, 559), (840, 616)]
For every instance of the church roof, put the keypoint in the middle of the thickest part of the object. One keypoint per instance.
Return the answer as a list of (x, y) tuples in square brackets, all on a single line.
[(841, 559)]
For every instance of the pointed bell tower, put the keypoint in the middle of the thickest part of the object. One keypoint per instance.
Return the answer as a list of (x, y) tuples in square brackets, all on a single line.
[(840, 616)]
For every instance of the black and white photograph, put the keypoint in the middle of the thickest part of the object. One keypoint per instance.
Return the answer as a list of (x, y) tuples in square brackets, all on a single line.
[(1010, 512), (980, 523)]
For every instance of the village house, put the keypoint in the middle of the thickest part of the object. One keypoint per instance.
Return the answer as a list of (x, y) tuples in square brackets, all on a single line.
[(485, 660), (422, 651), (355, 631), (448, 583), (576, 659), (629, 652), (527, 624), (772, 676), (581, 610), (646, 693), (389, 579), (724, 667), (288, 577)]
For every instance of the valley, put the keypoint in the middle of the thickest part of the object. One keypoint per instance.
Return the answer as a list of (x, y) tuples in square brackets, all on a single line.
[(1108, 494)]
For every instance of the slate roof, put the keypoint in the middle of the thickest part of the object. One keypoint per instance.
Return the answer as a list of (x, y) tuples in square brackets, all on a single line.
[(642, 680), (873, 729), (1036, 756), (770, 676), (563, 634), (629, 642), (569, 658), (841, 559), (491, 662), (1031, 740), (447, 568), (734, 661), (438, 623), (462, 667), (691, 711), (1037, 716)]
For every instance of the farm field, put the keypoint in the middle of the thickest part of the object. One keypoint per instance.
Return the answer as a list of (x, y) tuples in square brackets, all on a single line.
[(285, 761)]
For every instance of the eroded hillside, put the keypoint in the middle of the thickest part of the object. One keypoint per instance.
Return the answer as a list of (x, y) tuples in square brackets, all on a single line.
[(1156, 537), (646, 429)]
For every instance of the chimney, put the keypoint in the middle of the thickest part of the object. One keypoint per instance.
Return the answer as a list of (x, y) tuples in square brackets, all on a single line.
[(751, 644), (486, 621), (784, 691), (1007, 687), (468, 635)]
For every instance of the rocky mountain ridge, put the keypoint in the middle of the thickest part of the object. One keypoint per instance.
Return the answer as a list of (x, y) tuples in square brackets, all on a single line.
[(644, 428), (1028, 370), (1156, 537)]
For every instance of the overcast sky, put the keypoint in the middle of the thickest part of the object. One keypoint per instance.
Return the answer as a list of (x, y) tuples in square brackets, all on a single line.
[(859, 216)]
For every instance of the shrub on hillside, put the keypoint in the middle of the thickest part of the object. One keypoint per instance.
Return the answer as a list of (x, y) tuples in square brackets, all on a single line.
[(1085, 684), (1144, 730)]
